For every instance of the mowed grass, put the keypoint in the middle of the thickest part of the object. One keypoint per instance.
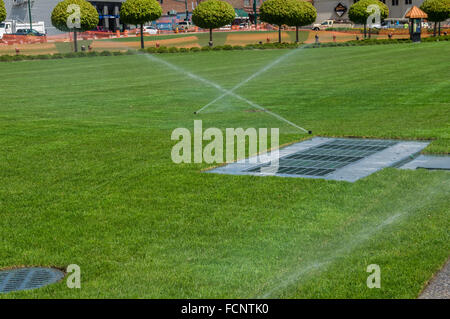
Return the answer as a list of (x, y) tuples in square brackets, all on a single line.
[(87, 178)]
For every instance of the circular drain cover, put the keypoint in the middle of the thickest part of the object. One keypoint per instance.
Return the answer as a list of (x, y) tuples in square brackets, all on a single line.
[(28, 278)]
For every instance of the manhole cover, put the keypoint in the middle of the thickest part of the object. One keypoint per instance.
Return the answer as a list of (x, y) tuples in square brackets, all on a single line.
[(28, 278)]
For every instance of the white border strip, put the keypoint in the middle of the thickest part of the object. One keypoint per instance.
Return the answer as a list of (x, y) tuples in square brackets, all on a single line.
[(350, 173)]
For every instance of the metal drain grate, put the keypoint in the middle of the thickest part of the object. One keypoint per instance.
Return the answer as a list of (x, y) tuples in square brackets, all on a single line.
[(339, 159), (28, 278), (326, 158)]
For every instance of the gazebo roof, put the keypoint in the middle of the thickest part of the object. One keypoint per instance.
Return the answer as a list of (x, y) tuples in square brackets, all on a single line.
[(416, 13)]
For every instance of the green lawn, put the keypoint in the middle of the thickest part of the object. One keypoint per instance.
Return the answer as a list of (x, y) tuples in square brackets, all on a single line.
[(87, 179)]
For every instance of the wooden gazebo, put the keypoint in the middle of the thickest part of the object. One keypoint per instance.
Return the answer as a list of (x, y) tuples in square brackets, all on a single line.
[(415, 16)]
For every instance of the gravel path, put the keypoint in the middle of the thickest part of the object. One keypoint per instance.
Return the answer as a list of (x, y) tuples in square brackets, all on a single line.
[(439, 286)]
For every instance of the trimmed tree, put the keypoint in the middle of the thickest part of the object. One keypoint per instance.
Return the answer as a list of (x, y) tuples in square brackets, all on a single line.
[(302, 13), (65, 17), (213, 14), (139, 12), (2, 11), (437, 10), (358, 12), (276, 12)]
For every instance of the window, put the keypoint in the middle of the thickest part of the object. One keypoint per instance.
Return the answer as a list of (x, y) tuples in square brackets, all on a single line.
[(384, 1), (395, 2), (246, 3), (408, 1)]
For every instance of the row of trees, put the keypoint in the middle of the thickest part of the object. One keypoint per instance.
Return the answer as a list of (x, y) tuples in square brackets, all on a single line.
[(79, 15), (2, 11), (437, 10)]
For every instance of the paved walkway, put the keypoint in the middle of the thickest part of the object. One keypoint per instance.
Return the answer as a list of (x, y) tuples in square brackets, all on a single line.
[(439, 286)]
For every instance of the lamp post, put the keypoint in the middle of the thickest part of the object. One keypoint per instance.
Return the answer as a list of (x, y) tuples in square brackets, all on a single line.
[(255, 14), (187, 11), (29, 14)]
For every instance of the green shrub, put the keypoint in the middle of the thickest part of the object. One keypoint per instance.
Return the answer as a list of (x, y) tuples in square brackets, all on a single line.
[(57, 56), (18, 57), (162, 50), (92, 53), (193, 49), (70, 55), (116, 53), (207, 48), (173, 50), (227, 47), (5, 58), (41, 57), (105, 53)]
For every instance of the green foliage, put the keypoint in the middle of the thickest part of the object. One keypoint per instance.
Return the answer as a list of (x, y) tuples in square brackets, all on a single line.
[(276, 12), (301, 13), (2, 11), (213, 14), (88, 15), (140, 11), (358, 11), (437, 10)]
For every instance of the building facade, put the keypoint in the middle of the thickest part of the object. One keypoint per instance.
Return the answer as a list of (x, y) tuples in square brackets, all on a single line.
[(175, 10), (338, 9)]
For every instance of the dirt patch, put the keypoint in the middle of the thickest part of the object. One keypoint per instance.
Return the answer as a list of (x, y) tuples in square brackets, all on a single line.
[(108, 45), (34, 48), (327, 36), (186, 42)]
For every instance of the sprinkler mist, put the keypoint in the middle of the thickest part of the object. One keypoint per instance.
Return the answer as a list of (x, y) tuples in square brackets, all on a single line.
[(226, 92)]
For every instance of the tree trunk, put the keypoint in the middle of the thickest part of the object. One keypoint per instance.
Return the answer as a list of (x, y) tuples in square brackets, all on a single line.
[(439, 29), (75, 42), (142, 36), (434, 31), (210, 38), (365, 30), (279, 34), (296, 34)]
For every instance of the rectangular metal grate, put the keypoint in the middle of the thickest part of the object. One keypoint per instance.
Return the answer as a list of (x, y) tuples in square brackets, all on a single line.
[(325, 158)]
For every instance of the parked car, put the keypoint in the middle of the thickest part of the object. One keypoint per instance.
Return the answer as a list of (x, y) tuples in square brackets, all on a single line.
[(226, 27), (184, 25), (330, 24), (148, 29), (31, 32)]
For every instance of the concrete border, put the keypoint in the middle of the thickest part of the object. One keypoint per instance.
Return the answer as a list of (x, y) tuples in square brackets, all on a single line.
[(391, 156)]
